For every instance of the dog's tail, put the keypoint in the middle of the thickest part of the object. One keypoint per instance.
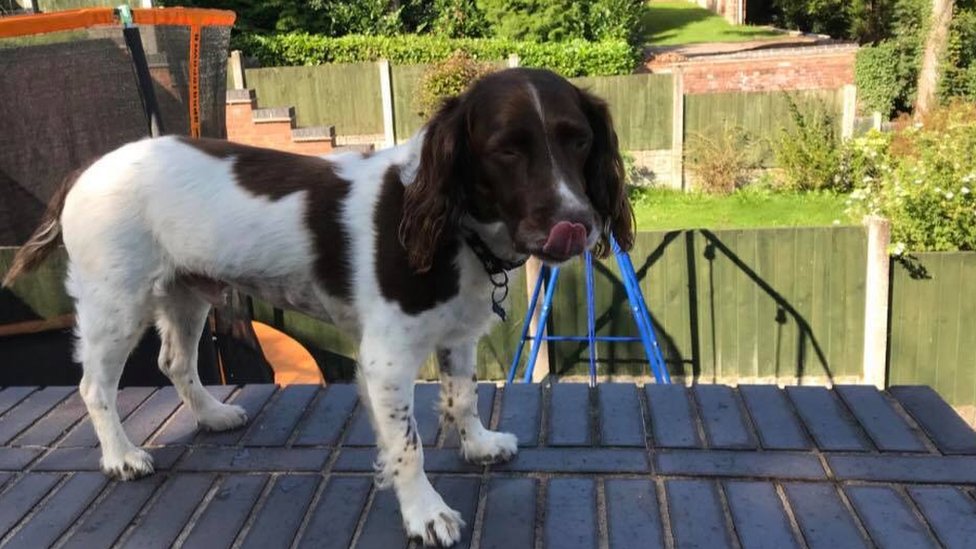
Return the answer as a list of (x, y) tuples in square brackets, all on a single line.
[(46, 237)]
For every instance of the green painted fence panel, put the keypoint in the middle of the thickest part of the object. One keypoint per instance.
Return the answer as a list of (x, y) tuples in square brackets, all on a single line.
[(406, 84), (346, 96), (764, 304), (37, 295), (641, 106), (933, 325)]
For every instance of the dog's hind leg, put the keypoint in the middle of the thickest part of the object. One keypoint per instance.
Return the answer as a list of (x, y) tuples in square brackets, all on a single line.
[(110, 320), (180, 317)]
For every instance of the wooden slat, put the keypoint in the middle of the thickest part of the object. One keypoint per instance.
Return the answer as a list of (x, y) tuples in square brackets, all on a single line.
[(949, 432)]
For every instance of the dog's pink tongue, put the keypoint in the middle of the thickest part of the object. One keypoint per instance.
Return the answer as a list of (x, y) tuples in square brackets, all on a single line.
[(566, 239)]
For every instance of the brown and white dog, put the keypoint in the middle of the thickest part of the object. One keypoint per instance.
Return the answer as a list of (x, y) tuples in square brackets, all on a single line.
[(394, 247)]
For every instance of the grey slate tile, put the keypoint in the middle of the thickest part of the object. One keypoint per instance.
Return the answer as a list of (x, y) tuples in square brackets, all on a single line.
[(725, 426), (277, 522), (15, 459), (53, 425), (29, 410), (829, 424), (889, 468), (521, 412), (252, 398), (128, 399), (672, 421), (633, 513), (795, 465), (509, 519), (142, 423), (20, 497), (4, 478), (59, 512), (334, 518), (360, 432), (255, 459), (887, 429), (569, 415), (224, 516), (950, 513), (621, 418), (822, 516), (943, 425), (425, 411), (160, 524), (87, 459), (778, 428), (696, 514), (329, 414), (486, 399), (436, 460), (759, 517), (461, 494), (578, 460), (182, 427), (571, 519), (887, 517), (103, 526), (384, 524), (276, 424), (11, 396)]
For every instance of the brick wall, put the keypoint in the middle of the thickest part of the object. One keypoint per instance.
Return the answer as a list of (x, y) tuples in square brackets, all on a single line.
[(273, 128), (817, 68)]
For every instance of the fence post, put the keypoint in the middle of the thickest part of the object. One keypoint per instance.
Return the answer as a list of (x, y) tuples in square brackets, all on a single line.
[(876, 121), (849, 111), (237, 70), (386, 89), (533, 270), (876, 292), (678, 129), (513, 60)]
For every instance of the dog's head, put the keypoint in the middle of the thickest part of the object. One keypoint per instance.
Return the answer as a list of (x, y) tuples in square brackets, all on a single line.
[(528, 161)]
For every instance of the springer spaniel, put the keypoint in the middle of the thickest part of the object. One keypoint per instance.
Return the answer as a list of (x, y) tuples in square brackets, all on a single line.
[(406, 249)]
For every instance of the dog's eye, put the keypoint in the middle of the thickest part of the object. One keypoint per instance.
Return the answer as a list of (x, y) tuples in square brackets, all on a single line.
[(509, 154), (581, 144)]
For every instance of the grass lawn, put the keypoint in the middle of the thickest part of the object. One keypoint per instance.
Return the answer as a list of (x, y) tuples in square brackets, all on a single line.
[(659, 209), (671, 22)]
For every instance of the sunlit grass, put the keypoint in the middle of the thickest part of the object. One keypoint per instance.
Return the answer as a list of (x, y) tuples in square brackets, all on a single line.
[(673, 22)]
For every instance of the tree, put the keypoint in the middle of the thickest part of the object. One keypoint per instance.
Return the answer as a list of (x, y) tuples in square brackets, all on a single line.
[(935, 47)]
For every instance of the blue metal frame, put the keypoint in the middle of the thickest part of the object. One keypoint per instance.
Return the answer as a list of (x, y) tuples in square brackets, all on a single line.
[(638, 308)]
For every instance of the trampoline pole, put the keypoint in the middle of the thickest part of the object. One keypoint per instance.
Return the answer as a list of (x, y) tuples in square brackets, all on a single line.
[(133, 41)]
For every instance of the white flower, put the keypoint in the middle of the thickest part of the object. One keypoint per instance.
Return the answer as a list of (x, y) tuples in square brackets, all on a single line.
[(949, 196), (899, 249), (964, 191), (837, 222)]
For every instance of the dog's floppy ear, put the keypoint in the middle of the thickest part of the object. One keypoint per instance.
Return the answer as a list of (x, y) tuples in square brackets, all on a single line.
[(605, 179), (432, 202)]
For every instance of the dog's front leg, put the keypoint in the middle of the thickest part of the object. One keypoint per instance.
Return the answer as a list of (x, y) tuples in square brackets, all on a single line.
[(459, 407), (387, 374)]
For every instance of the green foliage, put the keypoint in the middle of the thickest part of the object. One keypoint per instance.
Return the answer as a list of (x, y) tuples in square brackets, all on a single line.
[(447, 78), (562, 20), (459, 18), (575, 58), (723, 160), (959, 65), (810, 153), (886, 75), (831, 17), (923, 180)]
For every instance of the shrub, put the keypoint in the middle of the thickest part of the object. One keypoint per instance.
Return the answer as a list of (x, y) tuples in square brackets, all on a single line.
[(562, 20), (721, 161), (446, 79), (809, 153), (574, 58), (886, 75), (923, 180)]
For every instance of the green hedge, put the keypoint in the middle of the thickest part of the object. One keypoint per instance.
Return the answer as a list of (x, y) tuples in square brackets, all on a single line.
[(574, 58)]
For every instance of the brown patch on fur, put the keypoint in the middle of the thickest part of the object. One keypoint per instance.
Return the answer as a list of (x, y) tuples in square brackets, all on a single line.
[(414, 291), (277, 174)]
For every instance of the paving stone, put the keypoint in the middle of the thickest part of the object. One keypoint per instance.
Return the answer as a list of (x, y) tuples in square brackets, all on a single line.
[(578, 460), (182, 426), (426, 396), (59, 512), (461, 494), (277, 522), (29, 410), (436, 460), (672, 422), (825, 417), (276, 424), (11, 396), (360, 431), (20, 497), (950, 513), (509, 513), (486, 400), (823, 519), (943, 469), (328, 416), (569, 415), (224, 516), (887, 517), (633, 513), (725, 426), (759, 517), (621, 419), (384, 524), (794, 465), (778, 428), (571, 518), (87, 459), (696, 514), (109, 519), (15, 459), (521, 411), (252, 398), (943, 425), (160, 524), (254, 459), (128, 399), (887, 429), (334, 518), (53, 425), (142, 423)]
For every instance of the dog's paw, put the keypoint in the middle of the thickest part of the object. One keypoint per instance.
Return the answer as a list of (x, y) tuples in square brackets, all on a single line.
[(222, 417), (135, 463), (489, 447), (434, 523)]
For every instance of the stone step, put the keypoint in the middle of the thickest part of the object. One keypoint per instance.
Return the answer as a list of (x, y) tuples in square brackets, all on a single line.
[(313, 133), (274, 114)]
